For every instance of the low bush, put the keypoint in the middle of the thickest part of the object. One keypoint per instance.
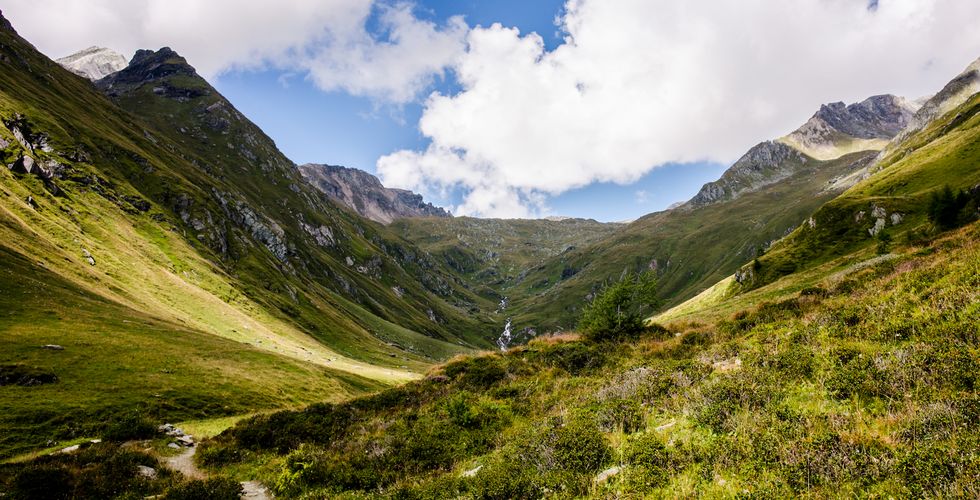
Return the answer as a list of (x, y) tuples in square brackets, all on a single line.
[(647, 460), (926, 470), (129, 427), (217, 488), (480, 372), (573, 357)]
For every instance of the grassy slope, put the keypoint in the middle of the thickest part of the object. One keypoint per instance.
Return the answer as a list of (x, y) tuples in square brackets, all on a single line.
[(690, 249), (495, 255), (947, 152), (158, 298), (865, 387)]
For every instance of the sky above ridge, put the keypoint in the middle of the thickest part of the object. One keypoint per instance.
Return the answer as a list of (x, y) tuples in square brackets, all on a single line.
[(608, 109)]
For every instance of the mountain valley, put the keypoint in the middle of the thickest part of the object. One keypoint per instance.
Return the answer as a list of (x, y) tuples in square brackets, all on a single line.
[(813, 330)]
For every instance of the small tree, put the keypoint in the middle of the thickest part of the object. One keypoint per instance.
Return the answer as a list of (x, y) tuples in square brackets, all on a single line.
[(946, 208), (618, 309)]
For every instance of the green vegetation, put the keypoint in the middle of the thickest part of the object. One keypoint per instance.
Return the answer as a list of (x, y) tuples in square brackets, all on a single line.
[(948, 210), (863, 385), (107, 471), (618, 310), (179, 260)]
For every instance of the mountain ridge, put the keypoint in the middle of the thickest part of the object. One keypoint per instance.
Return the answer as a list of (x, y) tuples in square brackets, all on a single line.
[(364, 193)]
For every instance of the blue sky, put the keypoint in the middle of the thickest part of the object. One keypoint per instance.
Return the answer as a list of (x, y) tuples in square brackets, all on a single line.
[(632, 109), (313, 126)]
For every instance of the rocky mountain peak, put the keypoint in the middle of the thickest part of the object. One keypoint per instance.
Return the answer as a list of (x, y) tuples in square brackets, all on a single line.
[(837, 129), (5, 24), (149, 65), (766, 163), (364, 193), (94, 63)]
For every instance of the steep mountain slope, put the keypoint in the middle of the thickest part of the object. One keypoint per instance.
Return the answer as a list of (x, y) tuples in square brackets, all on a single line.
[(184, 244), (892, 201), (766, 194), (363, 193), (94, 63)]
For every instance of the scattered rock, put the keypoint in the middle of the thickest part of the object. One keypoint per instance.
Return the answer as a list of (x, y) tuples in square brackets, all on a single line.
[(53, 347), (472, 472), (897, 218), (727, 365), (147, 472), (174, 446), (254, 490), (607, 474), (88, 257), (879, 225), (666, 426)]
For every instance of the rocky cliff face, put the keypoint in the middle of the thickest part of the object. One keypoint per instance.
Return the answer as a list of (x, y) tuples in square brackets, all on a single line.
[(834, 130), (838, 129), (94, 63), (764, 164), (364, 193)]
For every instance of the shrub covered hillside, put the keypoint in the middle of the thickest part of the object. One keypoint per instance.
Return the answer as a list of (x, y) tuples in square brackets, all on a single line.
[(865, 385)]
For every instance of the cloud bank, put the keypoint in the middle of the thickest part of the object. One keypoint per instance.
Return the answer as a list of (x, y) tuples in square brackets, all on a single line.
[(328, 40), (640, 83)]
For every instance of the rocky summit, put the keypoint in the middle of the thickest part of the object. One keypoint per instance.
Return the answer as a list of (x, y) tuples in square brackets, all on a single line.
[(365, 194), (837, 129), (94, 63)]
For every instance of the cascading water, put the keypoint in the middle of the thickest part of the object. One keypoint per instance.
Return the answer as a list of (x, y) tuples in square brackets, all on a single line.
[(504, 340)]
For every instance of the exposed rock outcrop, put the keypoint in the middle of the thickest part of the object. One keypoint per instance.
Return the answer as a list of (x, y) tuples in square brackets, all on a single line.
[(764, 164), (94, 63), (837, 129), (364, 193)]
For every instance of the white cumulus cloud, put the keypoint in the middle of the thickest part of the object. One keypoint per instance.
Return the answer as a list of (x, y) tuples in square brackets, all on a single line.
[(640, 83), (325, 39)]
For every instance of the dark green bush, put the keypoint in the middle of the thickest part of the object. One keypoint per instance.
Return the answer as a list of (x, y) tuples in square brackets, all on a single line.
[(726, 397), (505, 478), (578, 446), (927, 469), (218, 488), (573, 357), (101, 470), (129, 427), (479, 372), (856, 374), (43, 482), (621, 414), (648, 461)]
